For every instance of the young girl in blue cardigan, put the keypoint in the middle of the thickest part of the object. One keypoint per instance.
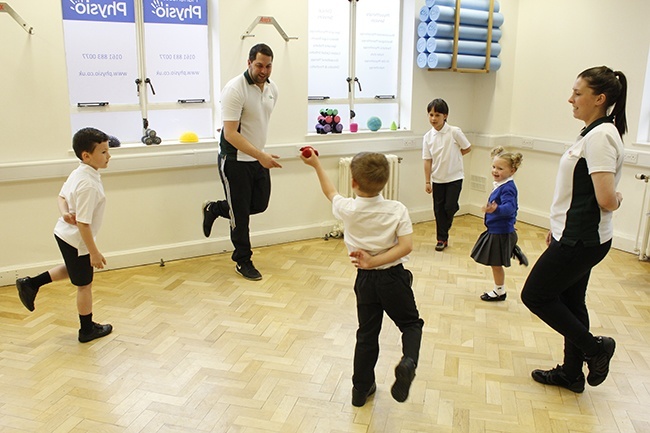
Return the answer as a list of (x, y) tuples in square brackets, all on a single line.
[(498, 243)]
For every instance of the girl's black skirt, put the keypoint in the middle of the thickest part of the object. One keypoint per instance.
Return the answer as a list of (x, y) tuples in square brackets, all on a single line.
[(494, 250)]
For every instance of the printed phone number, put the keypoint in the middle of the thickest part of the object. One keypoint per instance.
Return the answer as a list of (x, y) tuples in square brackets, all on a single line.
[(101, 56), (177, 56)]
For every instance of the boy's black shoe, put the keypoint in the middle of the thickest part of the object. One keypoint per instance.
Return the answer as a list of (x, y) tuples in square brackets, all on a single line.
[(248, 271), (519, 255), (441, 245), (27, 292), (97, 332), (208, 217), (404, 374), (558, 377), (359, 398), (599, 363), (488, 298)]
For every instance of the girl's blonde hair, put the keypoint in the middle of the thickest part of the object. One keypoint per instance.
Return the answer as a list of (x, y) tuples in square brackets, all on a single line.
[(513, 159)]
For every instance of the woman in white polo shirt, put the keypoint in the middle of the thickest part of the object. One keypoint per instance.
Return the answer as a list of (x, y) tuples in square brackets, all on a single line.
[(581, 229)]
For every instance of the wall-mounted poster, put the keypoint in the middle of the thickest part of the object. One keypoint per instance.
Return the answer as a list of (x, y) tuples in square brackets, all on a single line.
[(176, 50), (101, 51)]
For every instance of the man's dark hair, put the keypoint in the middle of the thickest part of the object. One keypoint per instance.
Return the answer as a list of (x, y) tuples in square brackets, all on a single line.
[(260, 48)]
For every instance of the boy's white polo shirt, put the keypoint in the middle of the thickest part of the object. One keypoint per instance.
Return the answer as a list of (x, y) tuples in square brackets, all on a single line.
[(84, 193), (372, 224), (443, 148)]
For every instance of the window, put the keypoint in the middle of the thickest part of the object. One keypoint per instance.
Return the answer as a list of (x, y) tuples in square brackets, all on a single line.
[(643, 135), (355, 60), (138, 64)]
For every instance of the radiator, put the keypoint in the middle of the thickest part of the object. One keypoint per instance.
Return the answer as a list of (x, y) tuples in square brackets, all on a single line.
[(390, 191)]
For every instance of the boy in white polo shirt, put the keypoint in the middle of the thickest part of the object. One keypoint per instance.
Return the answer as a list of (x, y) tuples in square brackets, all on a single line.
[(443, 148), (81, 203), (378, 235)]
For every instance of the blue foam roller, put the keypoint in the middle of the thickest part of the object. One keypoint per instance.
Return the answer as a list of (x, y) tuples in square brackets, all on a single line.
[(424, 14), (431, 45), (481, 5), (421, 45), (470, 33), (438, 61), (443, 61), (467, 16), (474, 48), (421, 60), (422, 30), (432, 28), (429, 3)]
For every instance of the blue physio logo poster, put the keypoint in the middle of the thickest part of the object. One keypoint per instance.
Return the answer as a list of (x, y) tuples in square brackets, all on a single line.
[(175, 11), (98, 10)]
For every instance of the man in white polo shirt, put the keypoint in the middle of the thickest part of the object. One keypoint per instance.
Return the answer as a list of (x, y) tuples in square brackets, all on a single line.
[(246, 105)]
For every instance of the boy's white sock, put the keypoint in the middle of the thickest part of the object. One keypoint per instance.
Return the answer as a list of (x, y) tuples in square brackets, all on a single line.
[(499, 290)]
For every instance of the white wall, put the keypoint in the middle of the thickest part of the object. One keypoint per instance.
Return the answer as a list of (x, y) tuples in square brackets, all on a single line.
[(555, 41), (155, 213)]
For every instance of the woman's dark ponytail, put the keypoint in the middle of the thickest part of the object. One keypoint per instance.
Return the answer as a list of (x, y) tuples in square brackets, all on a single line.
[(612, 84)]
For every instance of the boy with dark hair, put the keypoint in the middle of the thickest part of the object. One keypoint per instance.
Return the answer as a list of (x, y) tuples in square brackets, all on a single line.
[(81, 203), (443, 148), (378, 235)]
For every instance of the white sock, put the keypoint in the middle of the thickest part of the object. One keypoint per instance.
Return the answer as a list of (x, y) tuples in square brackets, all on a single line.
[(499, 290)]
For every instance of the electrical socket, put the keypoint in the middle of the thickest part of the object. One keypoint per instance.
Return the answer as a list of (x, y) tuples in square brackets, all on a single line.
[(630, 157), (527, 143), (408, 143)]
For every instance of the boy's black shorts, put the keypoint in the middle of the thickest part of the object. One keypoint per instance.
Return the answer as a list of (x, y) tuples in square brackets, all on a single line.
[(79, 269)]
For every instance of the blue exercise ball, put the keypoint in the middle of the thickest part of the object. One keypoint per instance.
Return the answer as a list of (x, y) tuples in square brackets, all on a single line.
[(374, 123)]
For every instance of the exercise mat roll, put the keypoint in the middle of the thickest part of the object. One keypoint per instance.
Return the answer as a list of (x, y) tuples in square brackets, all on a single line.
[(422, 29), (432, 28), (467, 16), (443, 61), (471, 33), (474, 48), (425, 16), (421, 60), (431, 45), (421, 45), (481, 5)]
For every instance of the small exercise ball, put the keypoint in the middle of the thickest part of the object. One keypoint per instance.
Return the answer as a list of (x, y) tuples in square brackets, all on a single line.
[(374, 123)]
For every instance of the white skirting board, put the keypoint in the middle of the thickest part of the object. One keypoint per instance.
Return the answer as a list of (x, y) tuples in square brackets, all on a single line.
[(222, 245)]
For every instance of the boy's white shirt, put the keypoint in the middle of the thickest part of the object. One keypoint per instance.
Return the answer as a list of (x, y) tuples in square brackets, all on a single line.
[(84, 193), (372, 224), (443, 148)]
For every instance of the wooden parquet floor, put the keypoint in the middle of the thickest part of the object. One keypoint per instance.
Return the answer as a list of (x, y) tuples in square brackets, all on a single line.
[(196, 348)]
